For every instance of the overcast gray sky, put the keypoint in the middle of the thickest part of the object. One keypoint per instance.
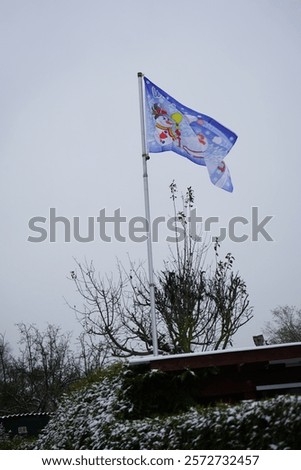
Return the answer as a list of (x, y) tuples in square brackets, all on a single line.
[(70, 137)]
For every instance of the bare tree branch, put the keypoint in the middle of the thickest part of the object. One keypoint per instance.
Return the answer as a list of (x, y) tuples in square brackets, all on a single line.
[(195, 308)]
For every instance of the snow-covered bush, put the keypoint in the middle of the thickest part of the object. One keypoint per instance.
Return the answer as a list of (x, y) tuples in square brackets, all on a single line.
[(102, 416)]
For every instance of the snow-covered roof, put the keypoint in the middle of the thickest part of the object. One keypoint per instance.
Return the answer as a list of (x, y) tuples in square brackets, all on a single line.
[(203, 354), (21, 415)]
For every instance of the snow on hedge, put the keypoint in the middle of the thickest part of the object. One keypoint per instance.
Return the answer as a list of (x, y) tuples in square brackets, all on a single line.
[(99, 417)]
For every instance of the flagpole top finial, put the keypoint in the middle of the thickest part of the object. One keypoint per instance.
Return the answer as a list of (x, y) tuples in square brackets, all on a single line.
[(140, 74)]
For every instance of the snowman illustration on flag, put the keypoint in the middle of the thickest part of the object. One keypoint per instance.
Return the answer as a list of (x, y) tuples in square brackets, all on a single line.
[(168, 131)]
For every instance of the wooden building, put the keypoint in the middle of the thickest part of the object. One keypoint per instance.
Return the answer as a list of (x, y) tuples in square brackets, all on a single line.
[(24, 424), (237, 374)]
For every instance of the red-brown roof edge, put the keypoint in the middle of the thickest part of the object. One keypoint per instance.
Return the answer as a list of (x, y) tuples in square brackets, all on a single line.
[(222, 357)]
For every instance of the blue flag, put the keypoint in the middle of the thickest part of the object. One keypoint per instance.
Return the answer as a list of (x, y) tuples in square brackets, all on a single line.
[(172, 126)]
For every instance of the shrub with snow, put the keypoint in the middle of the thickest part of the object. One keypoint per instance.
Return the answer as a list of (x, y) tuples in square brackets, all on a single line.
[(102, 416)]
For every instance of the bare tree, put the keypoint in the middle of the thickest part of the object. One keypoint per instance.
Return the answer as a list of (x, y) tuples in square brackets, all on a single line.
[(7, 388), (197, 308), (92, 353), (45, 368), (285, 326), (5, 360)]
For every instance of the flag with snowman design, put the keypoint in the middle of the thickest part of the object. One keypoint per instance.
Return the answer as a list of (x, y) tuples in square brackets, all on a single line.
[(173, 126)]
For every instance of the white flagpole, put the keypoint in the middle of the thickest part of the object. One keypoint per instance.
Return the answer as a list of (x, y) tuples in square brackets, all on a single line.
[(145, 157)]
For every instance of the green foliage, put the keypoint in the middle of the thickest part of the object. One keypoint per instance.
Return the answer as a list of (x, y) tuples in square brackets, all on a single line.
[(17, 443), (97, 376), (13, 443), (159, 393), (4, 438)]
